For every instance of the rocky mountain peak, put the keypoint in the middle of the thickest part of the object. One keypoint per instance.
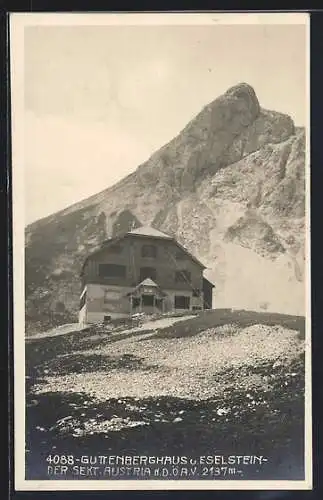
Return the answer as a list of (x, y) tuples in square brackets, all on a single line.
[(244, 91)]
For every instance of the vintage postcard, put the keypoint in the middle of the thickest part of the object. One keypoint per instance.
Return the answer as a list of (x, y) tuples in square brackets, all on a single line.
[(161, 251)]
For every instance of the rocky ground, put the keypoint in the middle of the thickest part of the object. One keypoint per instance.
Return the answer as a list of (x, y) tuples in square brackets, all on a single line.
[(218, 384)]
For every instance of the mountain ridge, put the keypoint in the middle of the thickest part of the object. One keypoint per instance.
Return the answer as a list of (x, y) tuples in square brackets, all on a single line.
[(229, 186)]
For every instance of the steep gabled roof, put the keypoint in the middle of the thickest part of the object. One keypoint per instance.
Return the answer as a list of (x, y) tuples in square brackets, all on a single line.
[(146, 232), (147, 282)]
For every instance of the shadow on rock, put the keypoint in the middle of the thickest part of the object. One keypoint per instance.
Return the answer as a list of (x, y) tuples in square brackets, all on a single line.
[(87, 363)]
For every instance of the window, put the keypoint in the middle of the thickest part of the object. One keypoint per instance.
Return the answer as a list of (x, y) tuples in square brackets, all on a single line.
[(114, 248), (182, 302), (149, 251), (148, 300), (111, 295), (148, 272), (83, 300), (182, 276), (112, 271), (196, 292)]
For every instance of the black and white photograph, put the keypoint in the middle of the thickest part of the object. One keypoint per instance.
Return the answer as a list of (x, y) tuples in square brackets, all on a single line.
[(161, 251)]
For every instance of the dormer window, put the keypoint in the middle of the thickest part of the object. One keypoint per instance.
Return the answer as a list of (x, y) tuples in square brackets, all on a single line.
[(149, 251)]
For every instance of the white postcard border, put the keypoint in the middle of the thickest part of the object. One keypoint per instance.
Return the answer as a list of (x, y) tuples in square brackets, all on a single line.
[(18, 22)]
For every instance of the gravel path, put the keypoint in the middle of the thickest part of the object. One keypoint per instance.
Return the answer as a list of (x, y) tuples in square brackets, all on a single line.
[(147, 325), (157, 324)]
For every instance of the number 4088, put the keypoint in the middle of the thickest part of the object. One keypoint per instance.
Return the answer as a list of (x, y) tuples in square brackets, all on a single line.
[(60, 459)]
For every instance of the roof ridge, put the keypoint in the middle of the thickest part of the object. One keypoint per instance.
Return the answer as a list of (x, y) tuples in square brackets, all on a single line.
[(149, 231)]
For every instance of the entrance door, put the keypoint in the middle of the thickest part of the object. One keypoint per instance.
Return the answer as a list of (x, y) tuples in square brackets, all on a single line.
[(148, 300), (147, 303)]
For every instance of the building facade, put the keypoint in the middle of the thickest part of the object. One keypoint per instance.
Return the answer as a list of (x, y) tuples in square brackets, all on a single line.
[(146, 271)]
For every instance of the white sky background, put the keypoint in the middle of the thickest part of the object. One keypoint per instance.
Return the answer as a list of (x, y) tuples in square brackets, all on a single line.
[(100, 100)]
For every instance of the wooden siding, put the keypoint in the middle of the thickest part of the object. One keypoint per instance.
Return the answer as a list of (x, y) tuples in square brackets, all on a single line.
[(131, 257)]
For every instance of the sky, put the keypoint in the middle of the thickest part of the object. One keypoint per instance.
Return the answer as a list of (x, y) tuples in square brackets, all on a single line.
[(99, 100)]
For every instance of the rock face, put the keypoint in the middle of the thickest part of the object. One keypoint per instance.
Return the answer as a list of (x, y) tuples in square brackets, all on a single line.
[(230, 187)]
